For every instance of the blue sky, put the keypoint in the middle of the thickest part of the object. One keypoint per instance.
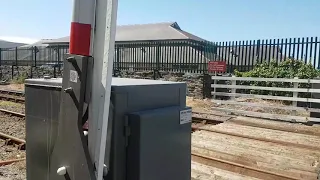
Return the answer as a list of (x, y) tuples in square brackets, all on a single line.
[(214, 20)]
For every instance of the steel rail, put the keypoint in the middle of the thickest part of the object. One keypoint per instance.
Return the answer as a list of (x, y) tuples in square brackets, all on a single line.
[(7, 162), (13, 140), (12, 113)]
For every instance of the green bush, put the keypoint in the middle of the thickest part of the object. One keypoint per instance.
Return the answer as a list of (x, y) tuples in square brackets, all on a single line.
[(289, 68), (20, 79)]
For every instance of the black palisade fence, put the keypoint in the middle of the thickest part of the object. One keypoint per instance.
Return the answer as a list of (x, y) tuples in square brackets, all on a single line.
[(179, 55)]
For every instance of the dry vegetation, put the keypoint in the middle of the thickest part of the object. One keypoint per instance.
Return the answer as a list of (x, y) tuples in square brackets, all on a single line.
[(13, 86), (207, 105), (199, 104)]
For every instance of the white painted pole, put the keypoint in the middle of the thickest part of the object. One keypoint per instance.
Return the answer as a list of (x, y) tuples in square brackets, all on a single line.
[(82, 34), (82, 27), (103, 52)]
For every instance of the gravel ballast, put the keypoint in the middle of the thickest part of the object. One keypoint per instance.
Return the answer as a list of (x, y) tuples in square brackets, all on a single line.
[(13, 126)]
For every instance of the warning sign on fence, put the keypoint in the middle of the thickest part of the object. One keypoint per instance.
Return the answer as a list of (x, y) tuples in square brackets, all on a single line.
[(217, 66)]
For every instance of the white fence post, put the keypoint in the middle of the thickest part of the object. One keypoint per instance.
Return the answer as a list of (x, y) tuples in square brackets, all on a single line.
[(233, 90), (295, 95), (214, 88), (293, 114)]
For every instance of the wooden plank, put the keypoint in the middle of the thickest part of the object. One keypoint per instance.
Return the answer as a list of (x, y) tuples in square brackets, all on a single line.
[(265, 79), (279, 117), (292, 139), (306, 90), (242, 146), (279, 127), (263, 166), (266, 155), (284, 143), (261, 163), (239, 168), (225, 156), (203, 172), (290, 108), (283, 98)]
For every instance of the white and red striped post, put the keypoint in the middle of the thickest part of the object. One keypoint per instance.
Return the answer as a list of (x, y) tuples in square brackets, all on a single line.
[(93, 30), (82, 27), (103, 53)]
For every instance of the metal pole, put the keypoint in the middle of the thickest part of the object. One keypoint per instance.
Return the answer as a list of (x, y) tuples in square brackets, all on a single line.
[(81, 43), (16, 56), (103, 53), (87, 39), (0, 57)]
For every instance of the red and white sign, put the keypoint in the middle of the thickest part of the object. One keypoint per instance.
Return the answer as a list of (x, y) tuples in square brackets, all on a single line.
[(81, 27), (217, 66)]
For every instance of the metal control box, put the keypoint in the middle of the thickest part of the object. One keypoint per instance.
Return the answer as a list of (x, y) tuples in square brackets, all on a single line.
[(157, 144)]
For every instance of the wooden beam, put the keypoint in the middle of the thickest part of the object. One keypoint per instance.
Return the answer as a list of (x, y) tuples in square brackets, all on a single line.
[(265, 79), (290, 108), (279, 117), (306, 90), (283, 98), (240, 168), (302, 146)]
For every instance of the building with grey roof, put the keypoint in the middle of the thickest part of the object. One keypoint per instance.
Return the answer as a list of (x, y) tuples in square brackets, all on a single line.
[(144, 32), (140, 46), (7, 44)]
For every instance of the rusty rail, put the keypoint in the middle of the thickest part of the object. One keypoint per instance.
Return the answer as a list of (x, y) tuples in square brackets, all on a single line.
[(12, 113), (4, 163), (13, 140)]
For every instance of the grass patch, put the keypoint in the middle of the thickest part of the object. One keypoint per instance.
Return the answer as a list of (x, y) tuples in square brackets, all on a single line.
[(10, 104), (20, 79)]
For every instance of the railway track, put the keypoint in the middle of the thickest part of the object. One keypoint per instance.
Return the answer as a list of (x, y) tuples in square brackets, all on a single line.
[(11, 140), (199, 120), (21, 143), (12, 113), (13, 96), (7, 162), (11, 92)]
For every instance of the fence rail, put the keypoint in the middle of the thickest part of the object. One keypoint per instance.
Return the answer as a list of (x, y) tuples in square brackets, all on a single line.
[(181, 55), (232, 91)]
